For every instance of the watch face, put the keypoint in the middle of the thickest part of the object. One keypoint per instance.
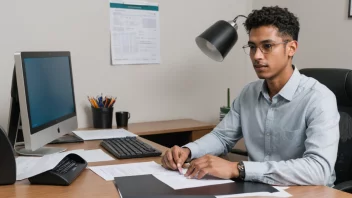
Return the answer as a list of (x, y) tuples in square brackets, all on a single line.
[(240, 167)]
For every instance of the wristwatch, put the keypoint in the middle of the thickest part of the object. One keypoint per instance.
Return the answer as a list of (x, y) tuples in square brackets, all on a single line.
[(241, 171)]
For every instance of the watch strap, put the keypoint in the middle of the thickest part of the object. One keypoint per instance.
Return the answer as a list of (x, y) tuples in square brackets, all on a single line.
[(241, 170)]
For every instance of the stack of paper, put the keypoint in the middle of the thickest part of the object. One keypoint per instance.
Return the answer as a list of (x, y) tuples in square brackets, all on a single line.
[(103, 134)]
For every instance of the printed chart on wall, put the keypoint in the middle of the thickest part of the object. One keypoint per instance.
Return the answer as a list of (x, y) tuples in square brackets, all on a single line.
[(135, 32)]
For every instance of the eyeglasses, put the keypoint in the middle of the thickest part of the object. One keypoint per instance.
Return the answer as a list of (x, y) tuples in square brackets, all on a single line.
[(265, 48)]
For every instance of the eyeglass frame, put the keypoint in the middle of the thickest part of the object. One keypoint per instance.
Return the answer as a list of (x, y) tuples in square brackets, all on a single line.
[(271, 47)]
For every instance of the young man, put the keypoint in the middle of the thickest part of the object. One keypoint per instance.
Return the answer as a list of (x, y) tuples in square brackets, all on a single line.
[(289, 122)]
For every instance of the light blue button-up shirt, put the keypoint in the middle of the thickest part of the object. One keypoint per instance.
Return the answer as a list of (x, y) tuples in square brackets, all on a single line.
[(291, 139)]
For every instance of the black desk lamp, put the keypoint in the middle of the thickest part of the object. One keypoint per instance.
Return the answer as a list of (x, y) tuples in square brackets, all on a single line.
[(216, 42), (218, 39)]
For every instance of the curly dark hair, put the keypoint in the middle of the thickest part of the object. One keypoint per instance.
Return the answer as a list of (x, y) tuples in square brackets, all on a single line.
[(286, 22)]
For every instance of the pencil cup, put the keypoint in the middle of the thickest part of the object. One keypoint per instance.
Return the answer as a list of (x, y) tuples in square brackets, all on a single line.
[(102, 117)]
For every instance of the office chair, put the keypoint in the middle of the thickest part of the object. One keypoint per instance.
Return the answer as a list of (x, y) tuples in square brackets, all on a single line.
[(339, 81)]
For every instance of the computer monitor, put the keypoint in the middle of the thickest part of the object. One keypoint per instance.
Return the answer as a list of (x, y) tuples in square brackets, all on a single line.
[(42, 100)]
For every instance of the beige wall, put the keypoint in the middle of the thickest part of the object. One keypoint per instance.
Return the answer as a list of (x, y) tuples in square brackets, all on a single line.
[(187, 84)]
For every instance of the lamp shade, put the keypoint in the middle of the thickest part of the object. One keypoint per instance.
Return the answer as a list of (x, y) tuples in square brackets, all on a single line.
[(218, 39)]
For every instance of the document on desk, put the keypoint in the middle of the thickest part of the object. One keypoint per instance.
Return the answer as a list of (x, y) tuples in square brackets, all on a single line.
[(24, 165), (103, 134), (132, 169), (135, 32), (178, 181), (169, 177), (29, 166), (96, 155)]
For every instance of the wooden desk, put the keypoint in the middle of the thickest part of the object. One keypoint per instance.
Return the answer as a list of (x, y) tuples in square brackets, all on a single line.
[(171, 132), (88, 184)]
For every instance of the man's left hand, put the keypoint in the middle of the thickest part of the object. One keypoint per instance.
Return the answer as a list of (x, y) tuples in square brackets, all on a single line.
[(214, 166)]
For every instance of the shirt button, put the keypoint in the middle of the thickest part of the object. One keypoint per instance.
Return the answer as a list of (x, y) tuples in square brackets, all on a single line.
[(268, 134)]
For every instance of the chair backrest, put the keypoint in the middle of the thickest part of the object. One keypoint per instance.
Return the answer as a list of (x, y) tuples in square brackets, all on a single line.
[(339, 81)]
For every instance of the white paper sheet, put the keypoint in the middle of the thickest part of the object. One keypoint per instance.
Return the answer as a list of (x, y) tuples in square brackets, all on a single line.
[(135, 32), (103, 134), (281, 193), (30, 166), (171, 178), (96, 155), (122, 170), (24, 165), (180, 181)]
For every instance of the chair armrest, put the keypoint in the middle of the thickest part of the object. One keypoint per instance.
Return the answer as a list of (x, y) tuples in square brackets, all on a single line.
[(344, 186), (239, 152)]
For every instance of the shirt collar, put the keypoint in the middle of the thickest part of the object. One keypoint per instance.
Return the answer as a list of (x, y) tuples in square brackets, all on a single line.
[(291, 86), (264, 90), (289, 89)]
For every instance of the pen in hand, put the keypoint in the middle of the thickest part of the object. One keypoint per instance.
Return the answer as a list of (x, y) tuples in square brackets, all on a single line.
[(179, 168)]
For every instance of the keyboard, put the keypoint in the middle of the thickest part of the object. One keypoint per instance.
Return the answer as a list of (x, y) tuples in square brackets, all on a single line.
[(63, 174), (129, 147)]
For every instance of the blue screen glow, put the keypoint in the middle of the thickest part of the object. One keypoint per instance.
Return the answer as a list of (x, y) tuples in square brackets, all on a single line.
[(49, 89)]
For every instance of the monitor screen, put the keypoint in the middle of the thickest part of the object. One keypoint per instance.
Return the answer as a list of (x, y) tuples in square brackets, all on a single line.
[(49, 88)]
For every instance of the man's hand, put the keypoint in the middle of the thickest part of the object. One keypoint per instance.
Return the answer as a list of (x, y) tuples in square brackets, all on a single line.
[(214, 166), (175, 157)]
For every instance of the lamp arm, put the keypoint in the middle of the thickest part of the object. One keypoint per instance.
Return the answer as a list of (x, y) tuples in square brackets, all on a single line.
[(235, 19)]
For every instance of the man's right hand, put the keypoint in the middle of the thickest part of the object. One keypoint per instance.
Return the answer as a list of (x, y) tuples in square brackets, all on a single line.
[(175, 157)]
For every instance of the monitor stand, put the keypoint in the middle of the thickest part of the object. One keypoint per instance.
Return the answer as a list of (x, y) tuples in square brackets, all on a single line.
[(23, 151), (40, 152), (15, 133)]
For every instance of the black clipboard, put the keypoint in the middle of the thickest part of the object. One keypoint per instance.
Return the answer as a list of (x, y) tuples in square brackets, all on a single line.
[(149, 186)]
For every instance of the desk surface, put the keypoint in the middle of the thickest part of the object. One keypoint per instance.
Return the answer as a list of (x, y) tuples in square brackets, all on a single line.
[(168, 126), (88, 184)]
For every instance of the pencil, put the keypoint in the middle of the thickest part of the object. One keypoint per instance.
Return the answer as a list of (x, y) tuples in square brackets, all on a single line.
[(111, 102), (106, 101), (93, 102), (90, 101)]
